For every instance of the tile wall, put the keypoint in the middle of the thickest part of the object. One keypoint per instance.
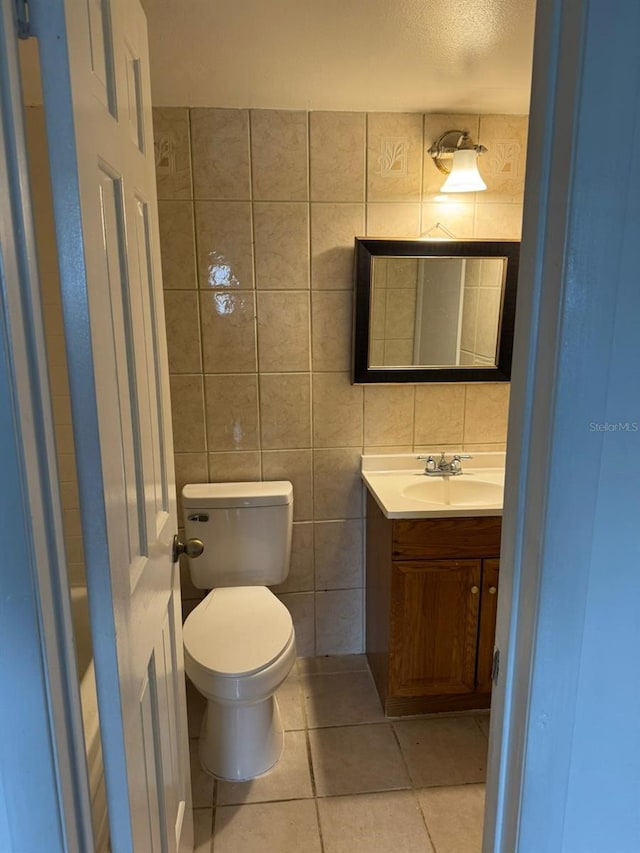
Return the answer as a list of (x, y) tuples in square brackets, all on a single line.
[(258, 213)]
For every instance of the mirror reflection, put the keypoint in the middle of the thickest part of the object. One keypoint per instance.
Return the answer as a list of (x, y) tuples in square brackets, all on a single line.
[(435, 312)]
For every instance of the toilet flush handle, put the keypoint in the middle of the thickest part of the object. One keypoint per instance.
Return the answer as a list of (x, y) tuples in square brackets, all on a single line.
[(192, 548)]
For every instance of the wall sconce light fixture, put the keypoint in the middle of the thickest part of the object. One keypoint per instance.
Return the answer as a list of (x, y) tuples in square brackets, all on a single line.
[(463, 175)]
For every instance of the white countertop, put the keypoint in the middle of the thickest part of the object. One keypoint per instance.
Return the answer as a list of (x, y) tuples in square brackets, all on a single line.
[(401, 489)]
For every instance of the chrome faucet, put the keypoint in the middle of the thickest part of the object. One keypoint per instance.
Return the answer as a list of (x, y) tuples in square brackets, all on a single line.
[(442, 468)]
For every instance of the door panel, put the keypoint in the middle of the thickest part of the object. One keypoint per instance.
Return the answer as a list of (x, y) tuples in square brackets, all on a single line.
[(107, 230), (434, 626)]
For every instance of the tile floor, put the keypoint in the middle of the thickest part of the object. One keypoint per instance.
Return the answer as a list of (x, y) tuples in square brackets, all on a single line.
[(350, 780)]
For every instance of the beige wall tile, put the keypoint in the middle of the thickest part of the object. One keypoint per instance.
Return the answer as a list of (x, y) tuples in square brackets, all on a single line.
[(474, 447), (238, 466), (486, 412), (69, 495), (503, 166), (337, 156), (183, 331), (498, 221), (220, 144), (337, 486), (281, 246), (337, 411), (225, 254), (283, 331), (333, 229), (456, 216), (61, 409), (73, 548), (394, 156), (386, 449), (388, 415), (285, 410), (279, 155), (339, 622), (393, 220), (434, 125), (331, 330), (302, 607), (190, 468), (232, 412), (177, 244), (296, 466), (228, 331), (172, 154), (301, 573), (439, 414), (67, 467), (338, 549), (64, 439), (77, 574), (187, 409)]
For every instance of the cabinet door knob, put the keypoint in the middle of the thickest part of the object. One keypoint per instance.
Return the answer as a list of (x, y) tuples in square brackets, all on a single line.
[(492, 590), (474, 590)]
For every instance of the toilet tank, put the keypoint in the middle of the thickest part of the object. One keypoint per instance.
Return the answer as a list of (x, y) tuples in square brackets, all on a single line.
[(246, 532)]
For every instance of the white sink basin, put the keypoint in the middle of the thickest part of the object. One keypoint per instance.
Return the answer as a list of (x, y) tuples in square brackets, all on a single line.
[(401, 489), (455, 491)]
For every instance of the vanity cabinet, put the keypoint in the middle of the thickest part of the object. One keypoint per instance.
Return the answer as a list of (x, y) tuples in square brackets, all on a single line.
[(431, 610)]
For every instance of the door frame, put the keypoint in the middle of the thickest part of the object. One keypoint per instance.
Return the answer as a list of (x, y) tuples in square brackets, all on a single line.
[(41, 733), (566, 578)]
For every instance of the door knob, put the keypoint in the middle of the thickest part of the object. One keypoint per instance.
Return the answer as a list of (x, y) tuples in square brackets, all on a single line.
[(474, 590), (192, 548)]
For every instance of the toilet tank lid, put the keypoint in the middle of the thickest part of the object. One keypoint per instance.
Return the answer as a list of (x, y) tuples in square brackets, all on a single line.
[(221, 495)]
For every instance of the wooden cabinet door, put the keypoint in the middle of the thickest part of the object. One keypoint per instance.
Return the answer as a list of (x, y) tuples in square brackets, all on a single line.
[(487, 634), (434, 627)]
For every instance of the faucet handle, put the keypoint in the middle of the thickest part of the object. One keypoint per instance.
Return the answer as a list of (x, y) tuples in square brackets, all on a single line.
[(463, 456), (430, 462)]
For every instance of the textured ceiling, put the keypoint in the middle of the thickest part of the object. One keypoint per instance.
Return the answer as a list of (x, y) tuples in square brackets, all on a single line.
[(423, 55)]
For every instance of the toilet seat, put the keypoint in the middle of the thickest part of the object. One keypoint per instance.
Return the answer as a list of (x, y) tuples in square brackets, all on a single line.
[(237, 631)]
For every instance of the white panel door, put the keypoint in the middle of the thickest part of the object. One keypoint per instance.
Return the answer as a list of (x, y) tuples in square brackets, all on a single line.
[(97, 100)]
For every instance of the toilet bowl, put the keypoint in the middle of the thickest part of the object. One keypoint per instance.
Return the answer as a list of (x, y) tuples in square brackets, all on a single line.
[(239, 646)]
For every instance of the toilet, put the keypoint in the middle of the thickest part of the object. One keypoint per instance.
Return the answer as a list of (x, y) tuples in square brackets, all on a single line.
[(239, 642)]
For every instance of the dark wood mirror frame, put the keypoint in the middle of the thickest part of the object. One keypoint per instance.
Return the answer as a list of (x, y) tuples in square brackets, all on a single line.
[(367, 249)]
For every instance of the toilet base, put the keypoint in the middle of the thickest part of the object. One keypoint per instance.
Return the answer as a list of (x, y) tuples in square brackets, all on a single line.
[(240, 742)]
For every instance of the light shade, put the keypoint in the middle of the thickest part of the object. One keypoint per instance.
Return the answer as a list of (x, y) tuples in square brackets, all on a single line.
[(464, 176)]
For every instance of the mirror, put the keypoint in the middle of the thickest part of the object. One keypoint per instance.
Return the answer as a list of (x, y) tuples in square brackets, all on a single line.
[(434, 310)]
